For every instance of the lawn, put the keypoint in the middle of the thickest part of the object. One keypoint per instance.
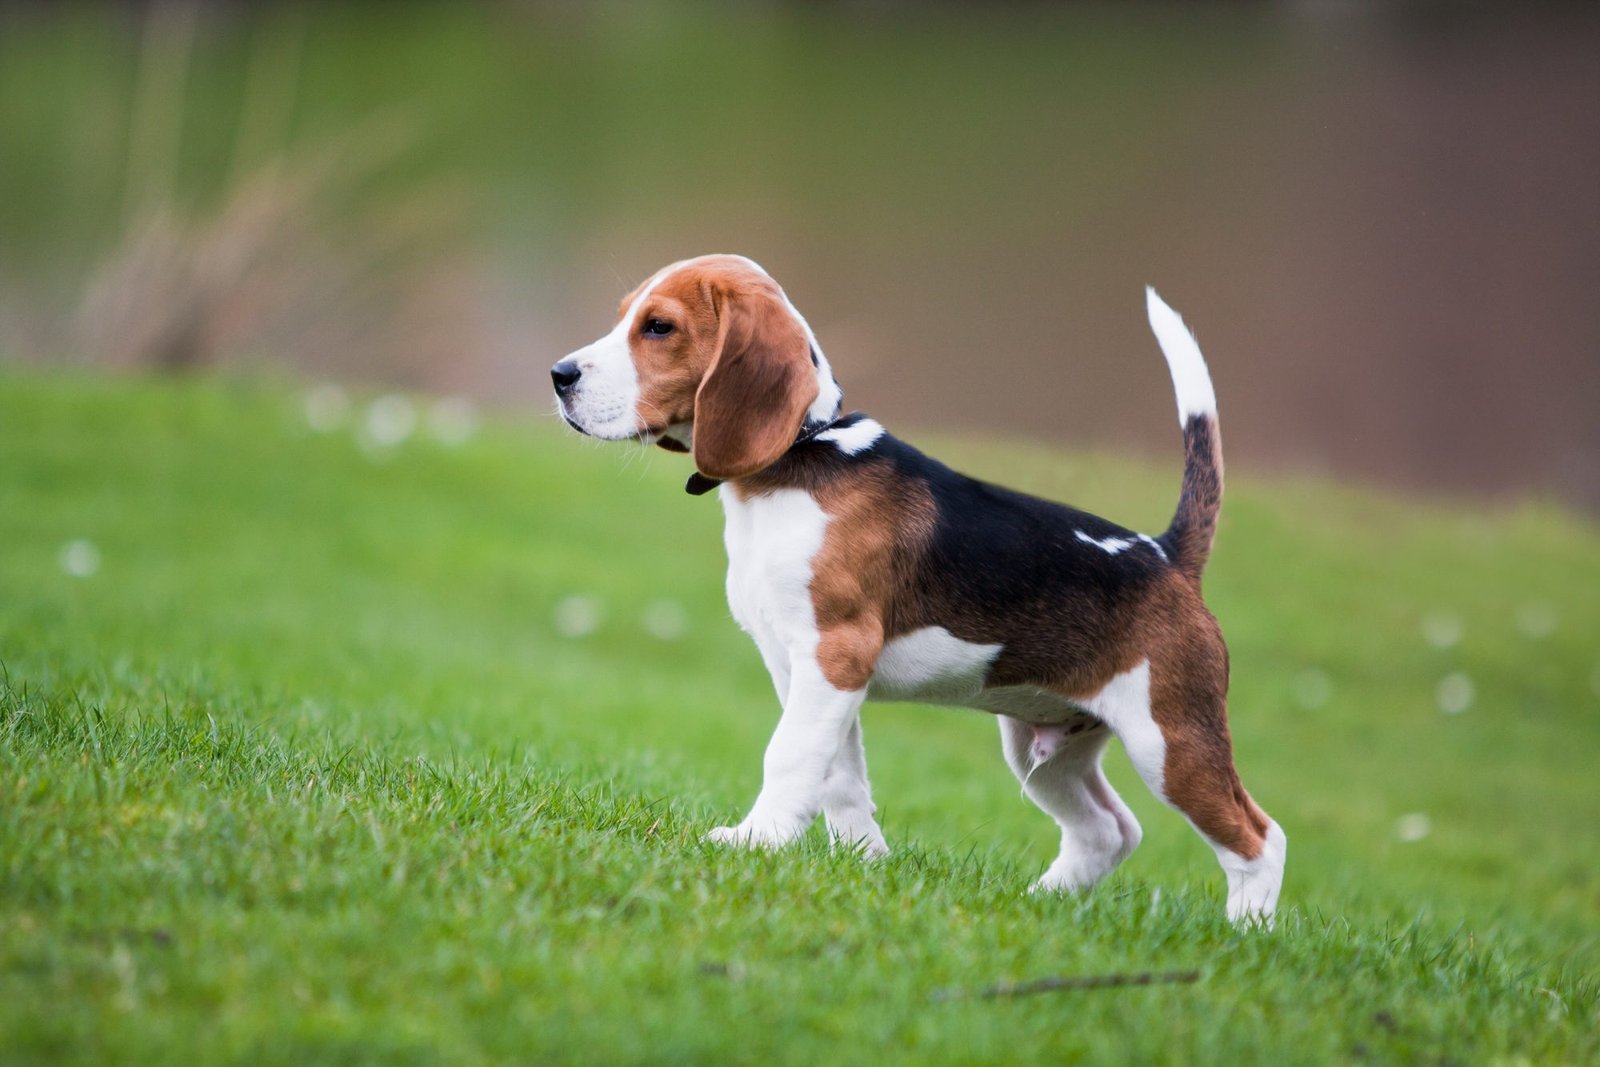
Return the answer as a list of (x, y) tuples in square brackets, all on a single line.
[(316, 750)]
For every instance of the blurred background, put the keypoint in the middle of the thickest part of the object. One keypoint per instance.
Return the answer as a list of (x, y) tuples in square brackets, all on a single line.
[(1383, 220)]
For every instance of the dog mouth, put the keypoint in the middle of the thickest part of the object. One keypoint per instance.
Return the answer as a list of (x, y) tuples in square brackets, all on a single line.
[(561, 409), (645, 435)]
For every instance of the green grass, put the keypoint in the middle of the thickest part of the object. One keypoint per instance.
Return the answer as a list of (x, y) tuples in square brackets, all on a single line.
[(307, 772)]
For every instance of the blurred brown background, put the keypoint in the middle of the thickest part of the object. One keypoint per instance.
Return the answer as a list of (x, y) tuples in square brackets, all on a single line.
[(1383, 221)]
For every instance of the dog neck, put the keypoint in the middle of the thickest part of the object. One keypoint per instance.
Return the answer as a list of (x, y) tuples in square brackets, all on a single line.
[(699, 485)]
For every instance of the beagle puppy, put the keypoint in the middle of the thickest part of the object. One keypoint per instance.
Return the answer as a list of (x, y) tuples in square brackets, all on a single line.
[(864, 570)]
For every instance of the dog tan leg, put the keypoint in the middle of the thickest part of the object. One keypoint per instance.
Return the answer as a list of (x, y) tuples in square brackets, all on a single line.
[(1178, 741), (1201, 782)]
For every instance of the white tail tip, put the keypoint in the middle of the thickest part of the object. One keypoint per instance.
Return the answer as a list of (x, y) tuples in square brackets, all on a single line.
[(1190, 378)]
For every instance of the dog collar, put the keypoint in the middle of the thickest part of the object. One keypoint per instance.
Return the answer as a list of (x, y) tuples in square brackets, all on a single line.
[(699, 485)]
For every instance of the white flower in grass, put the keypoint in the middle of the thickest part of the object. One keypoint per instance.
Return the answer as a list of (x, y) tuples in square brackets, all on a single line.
[(578, 616), (80, 558), (1536, 620), (326, 408), (1413, 827), (452, 420), (1312, 688), (1442, 629), (1454, 693), (665, 620), (390, 420)]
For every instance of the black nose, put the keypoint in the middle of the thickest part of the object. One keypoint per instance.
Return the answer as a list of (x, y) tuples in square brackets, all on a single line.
[(565, 374)]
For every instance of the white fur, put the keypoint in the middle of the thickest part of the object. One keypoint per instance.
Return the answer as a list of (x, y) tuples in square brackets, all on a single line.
[(1098, 831), (1190, 378), (771, 540), (1153, 543), (814, 761), (1124, 705), (847, 799), (1109, 545), (830, 395), (933, 666), (1253, 885), (1112, 545), (853, 439), (605, 401), (1038, 707)]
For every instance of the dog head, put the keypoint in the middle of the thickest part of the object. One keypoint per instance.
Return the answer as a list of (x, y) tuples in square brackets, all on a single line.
[(708, 356)]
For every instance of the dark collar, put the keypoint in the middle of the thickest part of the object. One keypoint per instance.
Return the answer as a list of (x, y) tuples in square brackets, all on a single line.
[(699, 485)]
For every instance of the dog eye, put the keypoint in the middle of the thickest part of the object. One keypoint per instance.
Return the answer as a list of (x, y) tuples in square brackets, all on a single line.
[(659, 327)]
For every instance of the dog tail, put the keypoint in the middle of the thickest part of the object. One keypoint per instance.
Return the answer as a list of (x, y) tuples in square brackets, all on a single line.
[(1188, 540)]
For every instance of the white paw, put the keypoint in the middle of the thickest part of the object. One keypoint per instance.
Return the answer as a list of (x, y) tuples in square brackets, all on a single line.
[(1049, 885), (869, 845), (855, 830), (1253, 920), (1088, 855), (1067, 877), (1253, 885), (746, 836)]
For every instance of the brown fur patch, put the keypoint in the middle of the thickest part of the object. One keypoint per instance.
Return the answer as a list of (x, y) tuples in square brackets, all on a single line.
[(878, 528), (1194, 525), (1188, 700), (737, 364)]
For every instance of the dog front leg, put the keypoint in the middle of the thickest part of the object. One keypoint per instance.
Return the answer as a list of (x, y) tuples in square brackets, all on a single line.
[(847, 799), (815, 722)]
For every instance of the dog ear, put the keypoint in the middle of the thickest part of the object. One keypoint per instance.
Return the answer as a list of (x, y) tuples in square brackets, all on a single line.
[(751, 403)]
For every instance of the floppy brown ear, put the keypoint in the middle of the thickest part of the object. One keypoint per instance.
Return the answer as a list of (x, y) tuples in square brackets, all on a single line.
[(751, 403)]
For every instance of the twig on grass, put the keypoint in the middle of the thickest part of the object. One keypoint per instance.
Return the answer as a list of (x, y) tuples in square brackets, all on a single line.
[(1051, 985)]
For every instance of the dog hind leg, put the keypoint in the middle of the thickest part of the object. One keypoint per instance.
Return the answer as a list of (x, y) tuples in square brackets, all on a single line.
[(1180, 746), (1059, 768)]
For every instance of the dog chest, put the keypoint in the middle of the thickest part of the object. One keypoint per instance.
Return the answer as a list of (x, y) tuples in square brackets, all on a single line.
[(772, 540)]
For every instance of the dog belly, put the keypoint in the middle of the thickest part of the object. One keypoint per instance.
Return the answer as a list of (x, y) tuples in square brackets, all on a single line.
[(931, 666), (1037, 706)]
